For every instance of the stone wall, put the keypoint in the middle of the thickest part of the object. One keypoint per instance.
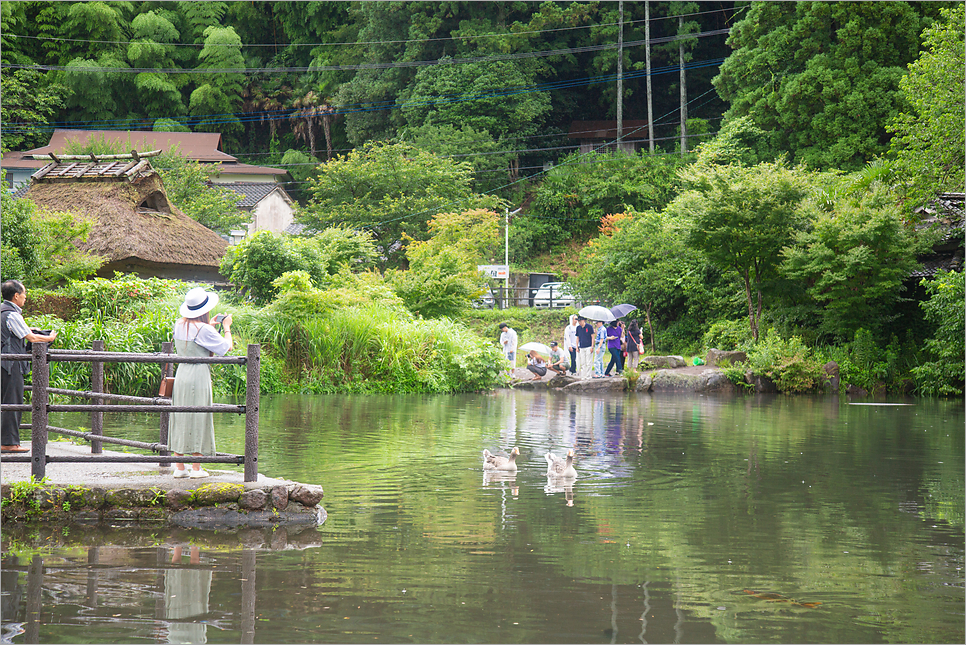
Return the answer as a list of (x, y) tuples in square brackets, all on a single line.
[(210, 505)]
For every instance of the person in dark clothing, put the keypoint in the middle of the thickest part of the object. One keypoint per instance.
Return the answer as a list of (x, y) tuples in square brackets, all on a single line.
[(614, 337), (14, 335), (633, 345)]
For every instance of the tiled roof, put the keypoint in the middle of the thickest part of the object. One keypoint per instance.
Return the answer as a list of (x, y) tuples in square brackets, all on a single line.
[(933, 263), (295, 228), (253, 192)]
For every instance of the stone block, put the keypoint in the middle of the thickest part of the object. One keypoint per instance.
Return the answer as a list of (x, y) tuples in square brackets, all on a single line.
[(644, 383), (80, 497), (178, 499), (306, 495), (762, 384), (596, 385), (49, 498), (280, 497), (667, 362), (121, 515), (217, 493), (153, 514), (253, 500), (716, 357), (562, 380), (131, 497)]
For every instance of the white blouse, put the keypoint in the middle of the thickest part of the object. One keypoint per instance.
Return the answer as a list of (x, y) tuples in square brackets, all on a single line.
[(204, 335)]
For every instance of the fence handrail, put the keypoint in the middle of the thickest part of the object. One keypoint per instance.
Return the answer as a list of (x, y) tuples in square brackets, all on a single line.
[(121, 357), (40, 406), (104, 396)]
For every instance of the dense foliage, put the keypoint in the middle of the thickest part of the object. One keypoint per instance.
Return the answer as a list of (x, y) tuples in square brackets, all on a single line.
[(929, 136), (822, 78), (790, 232)]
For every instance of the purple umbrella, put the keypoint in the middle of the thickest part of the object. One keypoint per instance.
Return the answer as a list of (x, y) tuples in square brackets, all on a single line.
[(620, 311)]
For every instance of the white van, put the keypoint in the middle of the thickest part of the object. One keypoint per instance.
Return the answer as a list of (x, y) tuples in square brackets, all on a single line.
[(555, 294)]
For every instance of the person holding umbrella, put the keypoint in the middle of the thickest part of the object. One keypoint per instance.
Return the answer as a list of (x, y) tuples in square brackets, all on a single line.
[(585, 348), (600, 348), (615, 336)]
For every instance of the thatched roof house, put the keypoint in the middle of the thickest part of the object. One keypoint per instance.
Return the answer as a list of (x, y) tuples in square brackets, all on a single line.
[(134, 225)]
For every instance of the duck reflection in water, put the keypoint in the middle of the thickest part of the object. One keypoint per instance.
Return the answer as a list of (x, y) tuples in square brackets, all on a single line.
[(501, 477), (186, 594), (561, 485)]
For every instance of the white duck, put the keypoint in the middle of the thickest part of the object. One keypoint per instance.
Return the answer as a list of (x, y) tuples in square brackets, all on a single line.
[(558, 468), (500, 461)]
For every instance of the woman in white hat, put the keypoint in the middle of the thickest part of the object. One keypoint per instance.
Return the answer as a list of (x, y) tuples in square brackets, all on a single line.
[(194, 432)]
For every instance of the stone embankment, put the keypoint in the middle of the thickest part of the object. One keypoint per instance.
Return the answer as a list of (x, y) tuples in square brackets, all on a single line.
[(145, 494), (214, 505), (664, 374)]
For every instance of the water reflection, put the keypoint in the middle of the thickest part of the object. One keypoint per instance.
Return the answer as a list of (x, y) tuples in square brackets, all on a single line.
[(692, 519), (186, 593)]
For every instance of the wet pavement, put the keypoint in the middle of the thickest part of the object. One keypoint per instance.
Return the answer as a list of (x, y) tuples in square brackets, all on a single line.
[(116, 475)]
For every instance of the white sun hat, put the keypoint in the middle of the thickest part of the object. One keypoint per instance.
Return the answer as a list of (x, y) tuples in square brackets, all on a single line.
[(198, 302)]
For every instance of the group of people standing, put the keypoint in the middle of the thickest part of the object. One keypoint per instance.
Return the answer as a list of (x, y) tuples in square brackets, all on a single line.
[(586, 343), (590, 341)]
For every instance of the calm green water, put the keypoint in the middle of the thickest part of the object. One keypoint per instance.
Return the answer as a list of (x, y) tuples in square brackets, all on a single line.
[(693, 519)]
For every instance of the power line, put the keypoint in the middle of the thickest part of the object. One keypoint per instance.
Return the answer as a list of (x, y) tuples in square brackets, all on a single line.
[(279, 115), (364, 66), (375, 42), (603, 146)]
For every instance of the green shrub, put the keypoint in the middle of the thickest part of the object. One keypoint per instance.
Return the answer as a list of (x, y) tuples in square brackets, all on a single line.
[(945, 311), (787, 362), (728, 335), (126, 295)]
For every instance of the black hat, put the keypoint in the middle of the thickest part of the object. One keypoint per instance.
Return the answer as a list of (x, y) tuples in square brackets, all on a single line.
[(553, 343)]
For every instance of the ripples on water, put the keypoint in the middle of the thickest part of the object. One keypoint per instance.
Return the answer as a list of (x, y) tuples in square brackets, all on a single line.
[(693, 519)]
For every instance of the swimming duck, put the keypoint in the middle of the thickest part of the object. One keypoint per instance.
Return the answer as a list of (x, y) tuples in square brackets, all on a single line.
[(500, 461), (557, 467)]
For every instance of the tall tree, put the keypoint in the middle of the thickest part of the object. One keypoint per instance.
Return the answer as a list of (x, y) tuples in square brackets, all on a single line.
[(822, 77), (151, 47), (26, 109), (392, 190), (852, 261), (929, 137), (215, 101), (741, 217)]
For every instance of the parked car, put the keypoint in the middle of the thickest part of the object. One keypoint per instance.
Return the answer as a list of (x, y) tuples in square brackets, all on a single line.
[(485, 301), (553, 294)]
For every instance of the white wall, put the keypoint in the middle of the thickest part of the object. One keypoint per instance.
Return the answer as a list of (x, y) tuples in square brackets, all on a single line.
[(271, 214)]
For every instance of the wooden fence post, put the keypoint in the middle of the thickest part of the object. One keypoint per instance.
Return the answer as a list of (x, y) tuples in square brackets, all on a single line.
[(38, 411), (166, 370), (97, 385), (252, 391)]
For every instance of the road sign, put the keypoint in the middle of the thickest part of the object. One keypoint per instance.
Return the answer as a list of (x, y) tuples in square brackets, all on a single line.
[(497, 271)]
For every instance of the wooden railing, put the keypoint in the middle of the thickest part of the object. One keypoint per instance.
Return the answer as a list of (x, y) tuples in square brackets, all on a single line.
[(40, 407)]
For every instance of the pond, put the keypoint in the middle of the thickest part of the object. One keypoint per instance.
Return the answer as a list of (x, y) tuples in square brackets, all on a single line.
[(693, 519)]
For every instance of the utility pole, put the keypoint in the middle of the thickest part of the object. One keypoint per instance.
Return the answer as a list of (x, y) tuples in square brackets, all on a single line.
[(506, 252), (620, 74), (647, 66), (684, 91)]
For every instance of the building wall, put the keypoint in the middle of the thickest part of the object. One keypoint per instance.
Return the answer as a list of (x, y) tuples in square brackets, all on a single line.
[(19, 176), (271, 214), (229, 177)]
